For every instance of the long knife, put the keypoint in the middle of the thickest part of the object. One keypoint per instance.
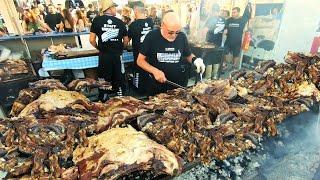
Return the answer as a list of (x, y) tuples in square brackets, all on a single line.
[(175, 85)]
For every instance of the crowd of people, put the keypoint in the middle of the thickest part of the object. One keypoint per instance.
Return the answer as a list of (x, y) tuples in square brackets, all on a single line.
[(74, 16), (111, 28), (54, 18)]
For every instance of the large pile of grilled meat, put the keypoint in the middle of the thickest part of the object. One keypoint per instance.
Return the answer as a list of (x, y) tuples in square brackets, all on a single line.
[(56, 133)]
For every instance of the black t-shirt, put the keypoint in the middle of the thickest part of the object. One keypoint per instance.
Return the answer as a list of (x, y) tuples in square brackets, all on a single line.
[(212, 24), (91, 15), (53, 19), (235, 27), (164, 55), (138, 30), (110, 31)]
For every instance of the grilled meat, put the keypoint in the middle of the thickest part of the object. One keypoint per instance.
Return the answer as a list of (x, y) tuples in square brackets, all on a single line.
[(125, 151)]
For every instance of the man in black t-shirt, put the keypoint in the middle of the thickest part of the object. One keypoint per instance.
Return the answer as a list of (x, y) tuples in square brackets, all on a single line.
[(54, 19), (162, 55), (234, 30), (92, 13), (138, 30), (112, 37)]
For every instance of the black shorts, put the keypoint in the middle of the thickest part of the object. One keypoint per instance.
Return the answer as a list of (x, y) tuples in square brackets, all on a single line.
[(233, 48), (110, 69)]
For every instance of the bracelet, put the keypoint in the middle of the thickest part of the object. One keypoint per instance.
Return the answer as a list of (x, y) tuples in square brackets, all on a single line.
[(193, 59)]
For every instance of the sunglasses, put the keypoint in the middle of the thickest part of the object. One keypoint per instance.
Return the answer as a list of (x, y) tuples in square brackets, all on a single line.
[(171, 32), (174, 32)]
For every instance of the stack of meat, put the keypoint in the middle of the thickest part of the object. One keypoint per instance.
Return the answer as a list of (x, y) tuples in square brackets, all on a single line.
[(221, 119), (50, 122), (11, 69), (55, 133)]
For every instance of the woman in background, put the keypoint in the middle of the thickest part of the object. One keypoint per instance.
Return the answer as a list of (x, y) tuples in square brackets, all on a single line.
[(31, 23), (38, 14), (81, 21), (68, 21), (126, 15)]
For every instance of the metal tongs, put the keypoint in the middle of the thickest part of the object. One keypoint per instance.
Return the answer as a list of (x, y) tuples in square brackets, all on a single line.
[(175, 85), (182, 87), (201, 80)]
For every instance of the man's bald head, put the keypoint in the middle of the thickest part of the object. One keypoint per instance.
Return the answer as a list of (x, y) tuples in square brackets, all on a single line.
[(170, 26), (171, 19)]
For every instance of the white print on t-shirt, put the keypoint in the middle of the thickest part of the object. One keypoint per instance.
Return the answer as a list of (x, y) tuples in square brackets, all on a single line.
[(144, 32), (234, 25), (111, 32), (169, 57), (170, 49)]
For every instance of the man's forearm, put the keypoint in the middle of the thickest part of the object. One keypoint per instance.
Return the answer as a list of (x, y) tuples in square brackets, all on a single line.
[(146, 66)]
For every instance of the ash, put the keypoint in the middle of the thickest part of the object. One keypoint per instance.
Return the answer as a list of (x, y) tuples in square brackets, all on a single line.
[(293, 154)]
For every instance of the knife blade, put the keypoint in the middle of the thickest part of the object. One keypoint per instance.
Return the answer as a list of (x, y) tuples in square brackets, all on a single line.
[(175, 85)]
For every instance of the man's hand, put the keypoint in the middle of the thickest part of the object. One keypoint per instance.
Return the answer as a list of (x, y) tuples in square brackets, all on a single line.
[(200, 65), (160, 76)]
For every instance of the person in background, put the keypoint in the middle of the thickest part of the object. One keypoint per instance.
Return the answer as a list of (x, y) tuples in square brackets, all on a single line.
[(188, 21), (214, 26), (225, 14), (80, 4), (81, 21), (119, 13), (234, 31), (69, 4), (153, 15), (74, 4), (31, 24), (146, 12), (164, 54), (112, 38), (3, 28), (38, 14), (68, 21), (91, 13), (3, 31), (54, 19), (137, 31), (276, 13), (126, 15), (126, 20), (59, 8), (42, 10)]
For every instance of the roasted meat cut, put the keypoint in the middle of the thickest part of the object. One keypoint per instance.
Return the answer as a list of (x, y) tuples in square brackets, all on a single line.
[(26, 96), (15, 67), (81, 84), (52, 100), (47, 84), (121, 151)]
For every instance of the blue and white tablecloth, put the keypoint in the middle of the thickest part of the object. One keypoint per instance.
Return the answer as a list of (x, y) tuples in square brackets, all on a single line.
[(50, 64)]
